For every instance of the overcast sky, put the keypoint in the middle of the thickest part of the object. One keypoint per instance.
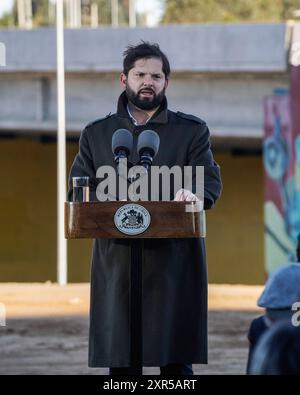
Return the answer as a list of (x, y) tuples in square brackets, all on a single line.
[(5, 5)]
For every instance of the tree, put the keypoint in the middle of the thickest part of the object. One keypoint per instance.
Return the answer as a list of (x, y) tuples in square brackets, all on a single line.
[(199, 11), (7, 20), (40, 10), (40, 13), (104, 7)]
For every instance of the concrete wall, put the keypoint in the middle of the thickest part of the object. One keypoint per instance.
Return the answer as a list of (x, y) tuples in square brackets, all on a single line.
[(220, 73), (199, 48), (232, 106)]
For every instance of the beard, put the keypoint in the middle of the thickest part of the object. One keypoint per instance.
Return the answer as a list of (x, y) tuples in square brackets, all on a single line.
[(145, 103)]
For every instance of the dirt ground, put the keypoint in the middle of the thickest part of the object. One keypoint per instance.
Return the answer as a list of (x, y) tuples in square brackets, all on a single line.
[(46, 329)]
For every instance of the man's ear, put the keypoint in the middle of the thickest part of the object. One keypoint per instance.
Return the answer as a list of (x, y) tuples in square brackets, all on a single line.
[(166, 83), (123, 80)]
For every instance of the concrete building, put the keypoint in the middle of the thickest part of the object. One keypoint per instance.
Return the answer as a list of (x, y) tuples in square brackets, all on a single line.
[(220, 73)]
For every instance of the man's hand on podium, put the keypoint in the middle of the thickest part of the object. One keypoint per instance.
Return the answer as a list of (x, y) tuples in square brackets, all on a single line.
[(184, 195)]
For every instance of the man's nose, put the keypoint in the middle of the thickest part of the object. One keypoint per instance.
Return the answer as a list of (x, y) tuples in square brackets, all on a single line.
[(148, 81)]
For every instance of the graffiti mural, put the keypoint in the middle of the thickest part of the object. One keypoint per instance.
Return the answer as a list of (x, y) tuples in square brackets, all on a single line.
[(281, 150)]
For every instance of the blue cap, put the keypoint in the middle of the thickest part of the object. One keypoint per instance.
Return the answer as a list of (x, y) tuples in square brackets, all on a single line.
[(282, 288)]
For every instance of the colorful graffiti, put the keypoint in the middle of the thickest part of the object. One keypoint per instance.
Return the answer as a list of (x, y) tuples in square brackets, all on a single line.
[(281, 150)]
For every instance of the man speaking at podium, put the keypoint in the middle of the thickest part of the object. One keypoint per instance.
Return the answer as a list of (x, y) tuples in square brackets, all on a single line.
[(174, 270)]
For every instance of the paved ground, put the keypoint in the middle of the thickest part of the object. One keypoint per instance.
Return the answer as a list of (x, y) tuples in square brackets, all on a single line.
[(47, 329)]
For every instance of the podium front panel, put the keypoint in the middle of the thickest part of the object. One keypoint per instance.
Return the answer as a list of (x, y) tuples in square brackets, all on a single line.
[(133, 220)]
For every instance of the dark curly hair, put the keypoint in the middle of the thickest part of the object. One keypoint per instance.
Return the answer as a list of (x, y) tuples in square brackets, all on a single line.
[(144, 50)]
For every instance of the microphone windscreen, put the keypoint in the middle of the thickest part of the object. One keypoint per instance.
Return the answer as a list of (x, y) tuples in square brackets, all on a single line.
[(122, 140), (148, 141)]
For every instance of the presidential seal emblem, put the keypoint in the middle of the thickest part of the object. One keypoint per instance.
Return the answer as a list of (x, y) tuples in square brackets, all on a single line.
[(132, 219)]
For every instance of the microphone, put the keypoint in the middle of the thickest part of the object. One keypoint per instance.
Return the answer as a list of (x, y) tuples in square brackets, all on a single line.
[(147, 147), (121, 144)]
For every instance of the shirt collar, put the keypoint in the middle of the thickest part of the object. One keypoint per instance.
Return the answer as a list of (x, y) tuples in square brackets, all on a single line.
[(134, 120), (161, 115)]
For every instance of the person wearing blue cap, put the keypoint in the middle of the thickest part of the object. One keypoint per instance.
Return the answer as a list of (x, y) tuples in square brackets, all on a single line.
[(281, 292)]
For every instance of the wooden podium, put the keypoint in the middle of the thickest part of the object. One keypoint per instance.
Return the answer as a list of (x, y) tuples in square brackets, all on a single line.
[(134, 221)]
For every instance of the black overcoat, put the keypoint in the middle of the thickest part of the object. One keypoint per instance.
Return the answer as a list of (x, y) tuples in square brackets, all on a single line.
[(174, 270)]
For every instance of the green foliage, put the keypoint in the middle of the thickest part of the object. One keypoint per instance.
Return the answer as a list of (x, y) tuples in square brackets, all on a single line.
[(40, 11), (176, 11), (7, 20), (104, 7), (200, 11), (41, 17), (104, 12)]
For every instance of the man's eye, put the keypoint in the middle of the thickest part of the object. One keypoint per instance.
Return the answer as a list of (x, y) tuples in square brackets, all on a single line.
[(157, 76)]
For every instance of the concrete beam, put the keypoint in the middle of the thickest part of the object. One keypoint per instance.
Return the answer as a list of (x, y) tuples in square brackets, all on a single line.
[(197, 48)]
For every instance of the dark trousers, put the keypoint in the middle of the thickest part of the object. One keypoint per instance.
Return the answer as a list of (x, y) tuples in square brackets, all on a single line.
[(174, 369)]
